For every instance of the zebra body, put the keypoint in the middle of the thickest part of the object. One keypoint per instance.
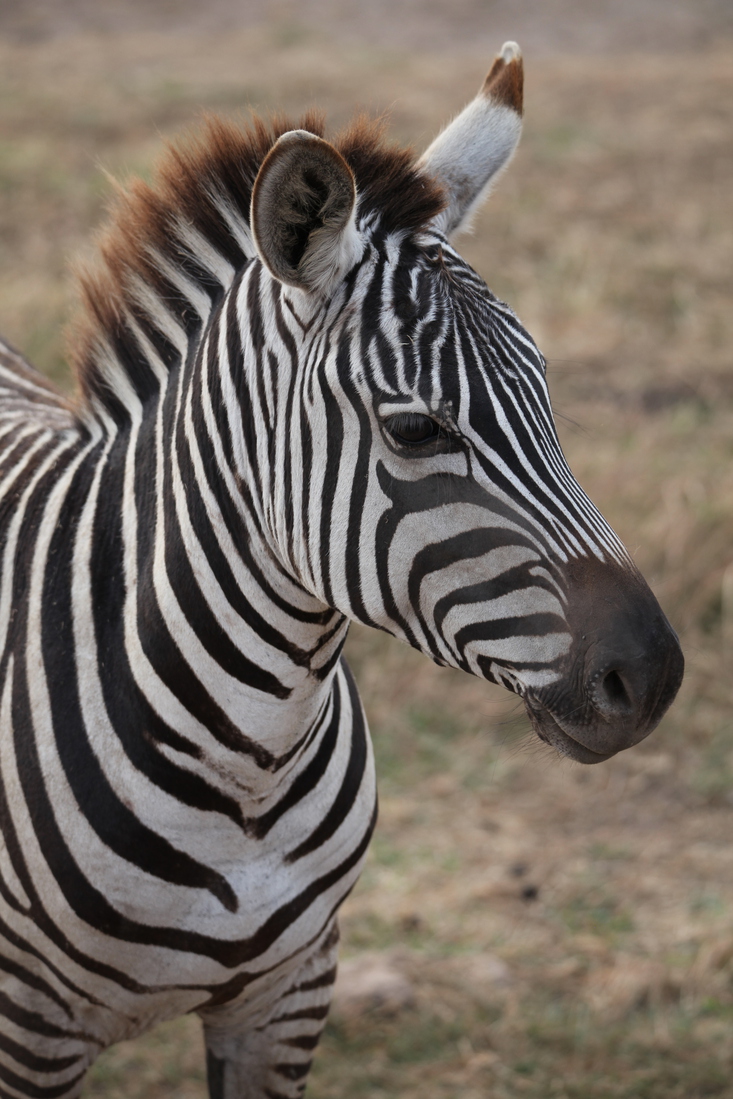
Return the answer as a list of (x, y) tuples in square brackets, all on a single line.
[(298, 406), (206, 871), (224, 895)]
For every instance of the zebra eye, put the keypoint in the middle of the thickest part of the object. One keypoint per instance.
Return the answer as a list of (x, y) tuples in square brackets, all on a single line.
[(412, 429)]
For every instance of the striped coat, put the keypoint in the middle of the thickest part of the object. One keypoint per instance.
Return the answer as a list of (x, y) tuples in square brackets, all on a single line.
[(297, 407)]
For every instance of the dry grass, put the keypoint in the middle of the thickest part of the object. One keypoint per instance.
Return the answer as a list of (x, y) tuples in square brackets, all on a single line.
[(606, 893)]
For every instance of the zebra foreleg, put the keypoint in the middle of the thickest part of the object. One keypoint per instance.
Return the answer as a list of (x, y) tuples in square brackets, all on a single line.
[(272, 1061)]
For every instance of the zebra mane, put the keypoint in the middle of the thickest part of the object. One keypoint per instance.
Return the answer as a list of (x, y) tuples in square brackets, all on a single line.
[(172, 248)]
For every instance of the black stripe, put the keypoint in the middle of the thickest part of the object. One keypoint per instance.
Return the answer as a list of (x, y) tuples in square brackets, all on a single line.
[(529, 625), (32, 1061), (8, 832), (304, 1041), (35, 1091), (317, 1013), (91, 905), (333, 442), (215, 1070), (26, 977), (344, 800), (519, 579), (308, 778), (112, 820), (33, 1020)]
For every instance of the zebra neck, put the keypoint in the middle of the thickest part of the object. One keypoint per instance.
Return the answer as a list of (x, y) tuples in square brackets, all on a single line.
[(231, 650)]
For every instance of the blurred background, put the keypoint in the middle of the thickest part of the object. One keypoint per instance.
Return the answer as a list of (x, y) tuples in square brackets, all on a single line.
[(525, 927)]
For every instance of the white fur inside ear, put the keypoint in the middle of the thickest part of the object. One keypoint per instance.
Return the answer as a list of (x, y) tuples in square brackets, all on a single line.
[(303, 213), (330, 254)]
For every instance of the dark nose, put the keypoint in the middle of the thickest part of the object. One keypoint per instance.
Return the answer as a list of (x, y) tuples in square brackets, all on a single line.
[(624, 668), (613, 692), (630, 686)]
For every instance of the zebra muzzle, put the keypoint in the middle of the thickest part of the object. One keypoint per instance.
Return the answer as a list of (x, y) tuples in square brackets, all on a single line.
[(623, 671)]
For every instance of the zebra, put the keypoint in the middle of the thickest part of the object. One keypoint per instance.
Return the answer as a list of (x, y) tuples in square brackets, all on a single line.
[(297, 407)]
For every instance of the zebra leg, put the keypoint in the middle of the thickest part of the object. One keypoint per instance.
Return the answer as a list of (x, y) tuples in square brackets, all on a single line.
[(272, 1060)]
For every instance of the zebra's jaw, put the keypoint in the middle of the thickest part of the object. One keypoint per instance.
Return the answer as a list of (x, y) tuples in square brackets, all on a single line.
[(550, 731)]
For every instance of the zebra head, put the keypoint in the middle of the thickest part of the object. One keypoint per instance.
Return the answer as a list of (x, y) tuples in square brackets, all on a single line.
[(426, 491)]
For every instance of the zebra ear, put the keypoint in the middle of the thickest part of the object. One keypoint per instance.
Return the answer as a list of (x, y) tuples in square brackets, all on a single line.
[(472, 150), (302, 215)]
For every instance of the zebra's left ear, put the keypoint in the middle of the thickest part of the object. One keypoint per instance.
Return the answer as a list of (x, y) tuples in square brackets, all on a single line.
[(302, 214), (471, 151)]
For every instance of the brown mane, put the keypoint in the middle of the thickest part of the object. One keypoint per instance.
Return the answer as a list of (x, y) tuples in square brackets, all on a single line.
[(211, 171)]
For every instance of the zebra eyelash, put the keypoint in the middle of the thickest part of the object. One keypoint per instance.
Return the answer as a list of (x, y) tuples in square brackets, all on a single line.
[(417, 433)]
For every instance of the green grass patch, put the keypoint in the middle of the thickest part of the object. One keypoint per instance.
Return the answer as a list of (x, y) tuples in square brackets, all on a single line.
[(597, 913)]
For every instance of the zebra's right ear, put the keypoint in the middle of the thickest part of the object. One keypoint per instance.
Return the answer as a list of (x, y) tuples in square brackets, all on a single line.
[(472, 150), (302, 214)]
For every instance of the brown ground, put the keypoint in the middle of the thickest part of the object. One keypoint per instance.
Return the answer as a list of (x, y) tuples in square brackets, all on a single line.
[(557, 930)]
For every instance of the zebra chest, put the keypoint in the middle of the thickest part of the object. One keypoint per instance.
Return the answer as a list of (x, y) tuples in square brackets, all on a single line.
[(196, 907), (150, 949)]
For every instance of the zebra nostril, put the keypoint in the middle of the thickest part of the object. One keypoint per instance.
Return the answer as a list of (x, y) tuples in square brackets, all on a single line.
[(612, 696)]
